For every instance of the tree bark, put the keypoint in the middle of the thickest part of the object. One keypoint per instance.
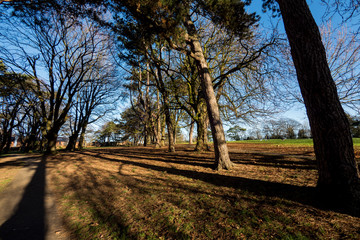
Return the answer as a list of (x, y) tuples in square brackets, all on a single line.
[(222, 159), (338, 172)]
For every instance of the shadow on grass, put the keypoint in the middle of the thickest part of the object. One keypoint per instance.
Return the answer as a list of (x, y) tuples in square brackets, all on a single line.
[(19, 162), (160, 155), (28, 221), (206, 160), (274, 160), (88, 191), (304, 195), (114, 196)]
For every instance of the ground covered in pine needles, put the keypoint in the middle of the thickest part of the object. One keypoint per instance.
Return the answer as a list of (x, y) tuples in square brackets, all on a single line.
[(148, 193)]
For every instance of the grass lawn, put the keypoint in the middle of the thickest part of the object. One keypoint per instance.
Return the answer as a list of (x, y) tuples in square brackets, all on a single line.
[(147, 193)]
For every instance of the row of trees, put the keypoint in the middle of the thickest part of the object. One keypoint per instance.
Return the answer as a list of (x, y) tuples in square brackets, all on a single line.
[(55, 69), (114, 133), (166, 46), (283, 128)]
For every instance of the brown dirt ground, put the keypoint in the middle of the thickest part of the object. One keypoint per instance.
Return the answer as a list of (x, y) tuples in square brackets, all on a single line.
[(148, 193)]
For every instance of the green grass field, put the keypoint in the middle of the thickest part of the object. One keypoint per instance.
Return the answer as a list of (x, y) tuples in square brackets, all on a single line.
[(300, 142)]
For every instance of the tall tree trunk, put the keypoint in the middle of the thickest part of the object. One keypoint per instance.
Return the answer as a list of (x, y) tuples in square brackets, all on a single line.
[(174, 132), (158, 121), (191, 132), (222, 159), (163, 132), (43, 140), (339, 180), (147, 109), (202, 126), (170, 128), (146, 135), (156, 136), (166, 104), (82, 137)]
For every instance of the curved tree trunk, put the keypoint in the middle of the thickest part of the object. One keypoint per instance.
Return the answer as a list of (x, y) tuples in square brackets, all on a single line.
[(222, 159), (338, 172)]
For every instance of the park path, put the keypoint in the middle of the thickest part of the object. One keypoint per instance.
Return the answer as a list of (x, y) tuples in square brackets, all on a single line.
[(27, 208)]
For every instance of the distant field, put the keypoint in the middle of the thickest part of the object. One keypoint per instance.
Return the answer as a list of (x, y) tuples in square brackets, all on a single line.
[(303, 142)]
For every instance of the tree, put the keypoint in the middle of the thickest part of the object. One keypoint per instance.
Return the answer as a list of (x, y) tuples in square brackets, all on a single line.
[(339, 180), (15, 91), (172, 22), (108, 134), (63, 47), (238, 77), (94, 100), (280, 129), (235, 132), (343, 54), (354, 126), (130, 127), (303, 133)]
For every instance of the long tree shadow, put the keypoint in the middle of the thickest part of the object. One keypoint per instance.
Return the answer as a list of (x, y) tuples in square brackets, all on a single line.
[(28, 221), (182, 157), (301, 194), (19, 162), (90, 190), (158, 155)]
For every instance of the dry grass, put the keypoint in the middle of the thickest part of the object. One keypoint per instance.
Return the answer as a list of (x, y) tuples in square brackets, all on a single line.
[(146, 193)]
